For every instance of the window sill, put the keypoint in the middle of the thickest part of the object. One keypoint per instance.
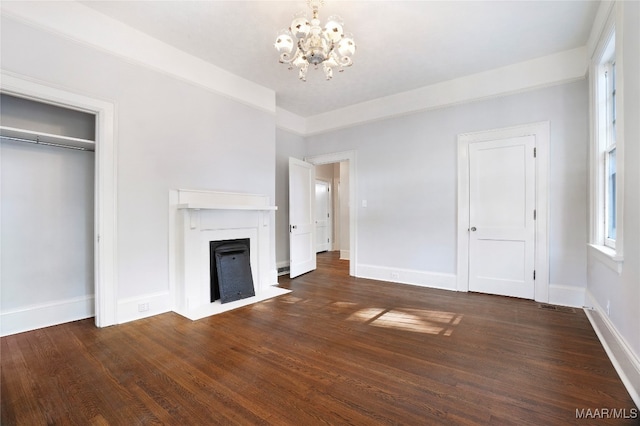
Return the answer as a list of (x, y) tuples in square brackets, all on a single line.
[(607, 256)]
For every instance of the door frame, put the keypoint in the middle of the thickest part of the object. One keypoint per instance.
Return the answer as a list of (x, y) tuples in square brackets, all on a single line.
[(105, 284), (330, 209), (541, 132), (338, 157)]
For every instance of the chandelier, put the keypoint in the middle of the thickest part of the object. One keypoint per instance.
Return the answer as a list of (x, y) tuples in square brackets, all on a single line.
[(315, 45)]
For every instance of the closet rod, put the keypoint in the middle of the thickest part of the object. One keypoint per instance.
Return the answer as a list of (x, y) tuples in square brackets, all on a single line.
[(39, 142)]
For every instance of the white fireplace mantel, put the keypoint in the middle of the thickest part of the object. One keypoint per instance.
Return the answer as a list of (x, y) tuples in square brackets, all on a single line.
[(204, 216), (196, 206)]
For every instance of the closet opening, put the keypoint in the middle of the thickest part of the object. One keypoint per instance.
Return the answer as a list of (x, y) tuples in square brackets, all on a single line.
[(47, 214)]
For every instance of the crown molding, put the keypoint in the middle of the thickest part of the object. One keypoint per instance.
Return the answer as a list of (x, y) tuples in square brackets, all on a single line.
[(599, 24), (563, 67), (286, 120), (82, 24)]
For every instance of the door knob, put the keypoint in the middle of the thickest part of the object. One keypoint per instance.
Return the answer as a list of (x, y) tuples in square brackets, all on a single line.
[(473, 229)]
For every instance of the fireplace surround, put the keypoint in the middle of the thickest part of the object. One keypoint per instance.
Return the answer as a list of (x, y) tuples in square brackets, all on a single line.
[(202, 217)]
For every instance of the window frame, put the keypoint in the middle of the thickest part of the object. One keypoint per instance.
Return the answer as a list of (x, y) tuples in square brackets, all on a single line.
[(606, 138)]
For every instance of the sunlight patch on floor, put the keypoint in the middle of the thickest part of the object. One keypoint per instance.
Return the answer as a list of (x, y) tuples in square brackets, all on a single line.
[(415, 320), (344, 304), (290, 299)]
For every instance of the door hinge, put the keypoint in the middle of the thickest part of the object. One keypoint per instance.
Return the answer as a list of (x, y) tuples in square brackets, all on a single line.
[(534, 274), (327, 240), (534, 214), (327, 214), (328, 190), (534, 152)]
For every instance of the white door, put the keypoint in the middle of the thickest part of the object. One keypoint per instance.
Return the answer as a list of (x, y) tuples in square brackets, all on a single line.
[(501, 217), (302, 236), (323, 216)]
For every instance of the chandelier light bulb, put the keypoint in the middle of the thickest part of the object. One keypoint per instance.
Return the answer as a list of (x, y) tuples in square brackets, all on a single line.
[(284, 42), (333, 29), (300, 26), (315, 45)]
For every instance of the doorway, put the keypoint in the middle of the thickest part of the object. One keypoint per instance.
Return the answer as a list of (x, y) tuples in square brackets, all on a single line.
[(324, 215), (319, 216), (503, 211), (344, 204), (105, 304)]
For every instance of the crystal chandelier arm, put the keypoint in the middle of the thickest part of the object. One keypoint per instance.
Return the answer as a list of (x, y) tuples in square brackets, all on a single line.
[(346, 61), (286, 58)]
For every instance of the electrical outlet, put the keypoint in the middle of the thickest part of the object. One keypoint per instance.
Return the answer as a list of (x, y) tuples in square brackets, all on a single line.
[(143, 307), (395, 276)]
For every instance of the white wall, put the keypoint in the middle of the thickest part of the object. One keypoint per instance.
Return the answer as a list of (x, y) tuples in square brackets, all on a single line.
[(170, 134), (407, 174), (620, 330), (47, 225)]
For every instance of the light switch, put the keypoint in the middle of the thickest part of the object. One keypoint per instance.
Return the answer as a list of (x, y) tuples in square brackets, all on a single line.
[(364, 203)]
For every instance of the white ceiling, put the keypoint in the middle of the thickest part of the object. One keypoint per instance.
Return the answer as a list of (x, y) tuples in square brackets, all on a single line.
[(402, 45)]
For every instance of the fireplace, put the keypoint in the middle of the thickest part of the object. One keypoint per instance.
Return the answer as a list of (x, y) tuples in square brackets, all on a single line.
[(230, 270), (202, 217)]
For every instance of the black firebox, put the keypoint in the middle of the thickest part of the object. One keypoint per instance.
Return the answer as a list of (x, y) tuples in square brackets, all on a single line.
[(230, 270)]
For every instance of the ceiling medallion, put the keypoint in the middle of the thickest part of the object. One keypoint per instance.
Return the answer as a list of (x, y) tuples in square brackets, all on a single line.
[(315, 45)]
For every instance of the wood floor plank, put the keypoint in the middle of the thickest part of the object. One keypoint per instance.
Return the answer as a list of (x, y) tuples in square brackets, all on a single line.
[(336, 350)]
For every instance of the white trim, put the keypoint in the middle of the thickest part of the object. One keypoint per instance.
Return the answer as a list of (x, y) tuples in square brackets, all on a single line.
[(622, 357), (567, 295), (105, 181), (329, 184), (408, 276), (337, 157), (46, 314), (291, 122), (562, 67), (541, 131), (606, 256), (85, 25), (345, 254), (599, 25), (157, 303)]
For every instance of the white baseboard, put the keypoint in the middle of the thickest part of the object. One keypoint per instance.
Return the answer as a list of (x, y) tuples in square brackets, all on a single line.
[(344, 255), (567, 295), (46, 314), (408, 276), (134, 308), (626, 363)]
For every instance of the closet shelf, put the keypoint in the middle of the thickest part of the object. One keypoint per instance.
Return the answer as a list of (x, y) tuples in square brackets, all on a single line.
[(47, 138)]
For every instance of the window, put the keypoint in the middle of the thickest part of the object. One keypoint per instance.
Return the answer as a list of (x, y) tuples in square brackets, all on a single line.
[(609, 153), (607, 149)]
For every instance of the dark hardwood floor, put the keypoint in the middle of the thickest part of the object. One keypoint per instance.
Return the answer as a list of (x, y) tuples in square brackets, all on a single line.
[(337, 350)]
